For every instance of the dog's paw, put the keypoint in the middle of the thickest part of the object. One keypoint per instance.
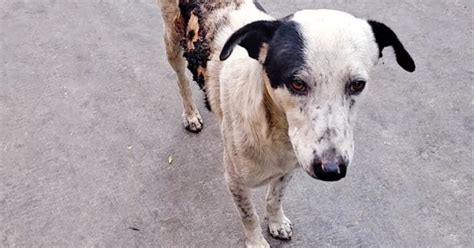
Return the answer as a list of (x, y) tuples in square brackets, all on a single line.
[(193, 122), (257, 243), (281, 229)]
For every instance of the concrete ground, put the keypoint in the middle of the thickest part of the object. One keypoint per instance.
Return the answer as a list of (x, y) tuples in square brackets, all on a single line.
[(90, 113)]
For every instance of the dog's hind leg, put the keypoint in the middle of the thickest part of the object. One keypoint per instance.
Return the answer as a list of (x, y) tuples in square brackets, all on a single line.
[(279, 225), (248, 214), (191, 117)]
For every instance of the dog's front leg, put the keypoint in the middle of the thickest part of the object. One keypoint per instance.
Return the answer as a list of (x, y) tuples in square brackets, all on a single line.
[(279, 225), (248, 214), (250, 220)]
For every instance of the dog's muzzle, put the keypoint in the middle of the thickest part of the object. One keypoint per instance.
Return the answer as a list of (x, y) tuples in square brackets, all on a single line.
[(329, 170)]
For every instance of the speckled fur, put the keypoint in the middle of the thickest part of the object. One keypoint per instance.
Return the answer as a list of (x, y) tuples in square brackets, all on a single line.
[(267, 131)]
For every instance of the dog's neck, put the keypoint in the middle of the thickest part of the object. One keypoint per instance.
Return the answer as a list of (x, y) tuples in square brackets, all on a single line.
[(249, 106), (276, 117)]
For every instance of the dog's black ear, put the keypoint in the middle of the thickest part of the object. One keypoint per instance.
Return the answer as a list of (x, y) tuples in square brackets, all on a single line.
[(384, 36), (251, 37)]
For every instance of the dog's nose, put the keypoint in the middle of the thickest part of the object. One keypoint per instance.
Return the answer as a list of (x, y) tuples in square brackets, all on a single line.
[(330, 170)]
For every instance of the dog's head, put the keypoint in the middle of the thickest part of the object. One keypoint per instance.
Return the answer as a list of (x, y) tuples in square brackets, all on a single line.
[(317, 64)]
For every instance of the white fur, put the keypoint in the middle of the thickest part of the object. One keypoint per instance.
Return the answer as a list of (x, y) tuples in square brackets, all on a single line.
[(336, 53), (267, 132)]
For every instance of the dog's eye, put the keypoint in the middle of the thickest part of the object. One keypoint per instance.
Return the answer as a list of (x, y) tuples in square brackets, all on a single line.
[(355, 87), (298, 87)]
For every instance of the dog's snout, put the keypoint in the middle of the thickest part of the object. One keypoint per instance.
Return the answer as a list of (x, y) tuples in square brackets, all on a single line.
[(329, 170)]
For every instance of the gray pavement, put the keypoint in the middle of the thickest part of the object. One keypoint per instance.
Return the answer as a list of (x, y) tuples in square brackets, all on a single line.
[(90, 114)]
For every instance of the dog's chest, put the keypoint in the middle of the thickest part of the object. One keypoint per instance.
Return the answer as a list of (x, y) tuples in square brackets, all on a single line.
[(272, 162), (281, 155)]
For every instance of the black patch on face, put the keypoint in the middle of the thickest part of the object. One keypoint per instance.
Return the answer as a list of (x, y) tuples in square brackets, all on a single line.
[(285, 56), (259, 6)]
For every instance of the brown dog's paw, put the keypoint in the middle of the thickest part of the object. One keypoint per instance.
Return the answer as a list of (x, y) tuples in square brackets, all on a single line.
[(193, 122)]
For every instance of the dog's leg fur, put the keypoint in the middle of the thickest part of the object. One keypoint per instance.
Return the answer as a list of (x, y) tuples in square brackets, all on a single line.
[(248, 214), (279, 225), (191, 117)]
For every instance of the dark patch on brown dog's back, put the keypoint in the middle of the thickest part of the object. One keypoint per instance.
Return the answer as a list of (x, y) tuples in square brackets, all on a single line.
[(197, 34)]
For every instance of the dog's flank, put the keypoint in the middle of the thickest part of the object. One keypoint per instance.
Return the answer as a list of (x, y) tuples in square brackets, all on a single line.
[(197, 31)]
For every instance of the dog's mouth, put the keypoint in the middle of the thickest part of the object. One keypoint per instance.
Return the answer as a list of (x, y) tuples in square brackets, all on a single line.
[(328, 177)]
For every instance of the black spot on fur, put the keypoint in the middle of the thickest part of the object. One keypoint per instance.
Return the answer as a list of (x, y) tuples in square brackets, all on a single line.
[(246, 215), (328, 133), (384, 36), (351, 104), (191, 34), (206, 100)]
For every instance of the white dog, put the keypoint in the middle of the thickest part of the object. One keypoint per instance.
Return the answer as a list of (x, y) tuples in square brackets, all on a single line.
[(284, 91)]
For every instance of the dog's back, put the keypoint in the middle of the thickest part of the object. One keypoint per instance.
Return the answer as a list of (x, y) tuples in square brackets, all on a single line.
[(196, 24)]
